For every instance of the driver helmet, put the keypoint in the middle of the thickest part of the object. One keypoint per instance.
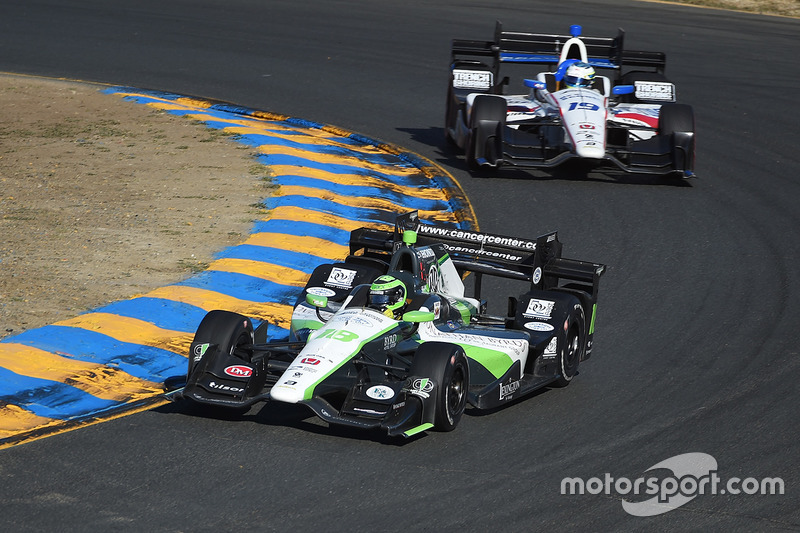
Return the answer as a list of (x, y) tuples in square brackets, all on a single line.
[(388, 294), (579, 74)]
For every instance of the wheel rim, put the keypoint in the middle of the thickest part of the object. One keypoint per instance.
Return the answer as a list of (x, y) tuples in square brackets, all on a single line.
[(571, 356), (455, 394)]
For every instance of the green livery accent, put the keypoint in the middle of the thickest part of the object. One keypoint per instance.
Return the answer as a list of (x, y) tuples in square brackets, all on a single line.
[(342, 335), (464, 309), (444, 258), (419, 429), (494, 361), (594, 314), (307, 324)]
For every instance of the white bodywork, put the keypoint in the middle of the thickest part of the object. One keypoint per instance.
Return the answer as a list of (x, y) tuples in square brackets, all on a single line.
[(327, 349)]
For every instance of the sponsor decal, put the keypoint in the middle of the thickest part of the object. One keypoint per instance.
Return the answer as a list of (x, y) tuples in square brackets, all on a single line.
[(437, 309), (398, 405), (472, 79), (310, 361), (239, 371), (380, 392), (539, 309), (508, 390), (654, 90), (586, 126), (483, 238), (321, 291), (341, 278), (551, 350), (390, 341), (303, 369), (433, 278), (199, 351), (538, 326), (425, 252), (219, 386), (421, 387), (537, 275), (359, 320), (290, 383)]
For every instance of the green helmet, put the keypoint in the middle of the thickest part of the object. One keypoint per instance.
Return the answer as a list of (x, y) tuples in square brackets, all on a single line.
[(388, 295)]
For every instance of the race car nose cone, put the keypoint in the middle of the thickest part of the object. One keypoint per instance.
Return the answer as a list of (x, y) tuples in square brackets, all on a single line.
[(590, 151)]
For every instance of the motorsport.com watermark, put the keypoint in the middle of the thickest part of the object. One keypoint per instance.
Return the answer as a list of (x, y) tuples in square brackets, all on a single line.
[(693, 474)]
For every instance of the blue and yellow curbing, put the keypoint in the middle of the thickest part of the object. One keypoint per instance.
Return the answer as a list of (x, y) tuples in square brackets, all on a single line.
[(114, 360)]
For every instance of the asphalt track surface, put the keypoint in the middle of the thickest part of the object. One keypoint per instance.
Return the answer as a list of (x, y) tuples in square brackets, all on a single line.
[(696, 347)]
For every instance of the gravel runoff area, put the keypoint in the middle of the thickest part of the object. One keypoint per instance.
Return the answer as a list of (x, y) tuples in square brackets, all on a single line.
[(103, 199)]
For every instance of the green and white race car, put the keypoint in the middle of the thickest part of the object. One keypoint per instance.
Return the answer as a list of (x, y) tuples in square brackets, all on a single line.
[(388, 338)]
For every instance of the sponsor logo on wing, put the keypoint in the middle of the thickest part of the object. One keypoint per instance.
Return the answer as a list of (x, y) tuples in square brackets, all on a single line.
[(220, 386), (239, 371), (380, 392)]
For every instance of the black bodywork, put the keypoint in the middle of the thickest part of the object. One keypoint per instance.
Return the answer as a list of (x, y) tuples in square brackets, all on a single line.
[(424, 383)]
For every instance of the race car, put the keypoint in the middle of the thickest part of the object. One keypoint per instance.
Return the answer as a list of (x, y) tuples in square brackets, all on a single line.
[(626, 120), (388, 339)]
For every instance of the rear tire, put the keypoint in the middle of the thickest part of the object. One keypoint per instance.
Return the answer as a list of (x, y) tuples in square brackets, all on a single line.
[(574, 347), (446, 365)]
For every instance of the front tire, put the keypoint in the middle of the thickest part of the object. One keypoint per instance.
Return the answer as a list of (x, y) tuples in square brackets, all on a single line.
[(446, 365), (227, 330), (676, 121), (487, 119)]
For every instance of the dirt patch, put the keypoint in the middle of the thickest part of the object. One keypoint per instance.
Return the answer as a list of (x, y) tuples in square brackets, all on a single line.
[(787, 8), (102, 199)]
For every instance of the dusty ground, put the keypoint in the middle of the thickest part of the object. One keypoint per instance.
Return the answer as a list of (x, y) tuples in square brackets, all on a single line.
[(788, 8), (102, 199)]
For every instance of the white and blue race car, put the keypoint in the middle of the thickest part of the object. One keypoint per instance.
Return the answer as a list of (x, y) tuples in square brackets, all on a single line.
[(626, 119)]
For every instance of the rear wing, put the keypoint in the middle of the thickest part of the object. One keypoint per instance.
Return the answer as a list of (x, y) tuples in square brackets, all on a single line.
[(543, 48), (537, 261)]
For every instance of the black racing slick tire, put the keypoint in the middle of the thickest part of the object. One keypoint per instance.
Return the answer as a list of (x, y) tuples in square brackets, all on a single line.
[(573, 348), (447, 367), (676, 121), (225, 329), (487, 119)]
